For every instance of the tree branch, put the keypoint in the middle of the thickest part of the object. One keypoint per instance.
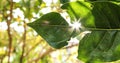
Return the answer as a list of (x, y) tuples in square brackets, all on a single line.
[(24, 43), (48, 52), (8, 30), (27, 53)]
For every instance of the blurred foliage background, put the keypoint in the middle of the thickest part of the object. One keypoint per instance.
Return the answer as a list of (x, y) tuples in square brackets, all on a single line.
[(26, 45)]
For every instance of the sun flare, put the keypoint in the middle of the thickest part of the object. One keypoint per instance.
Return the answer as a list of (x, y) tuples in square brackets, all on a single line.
[(76, 24)]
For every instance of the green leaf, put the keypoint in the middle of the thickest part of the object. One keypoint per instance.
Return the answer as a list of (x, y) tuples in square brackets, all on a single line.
[(102, 0), (64, 1), (106, 15), (53, 28), (77, 9), (102, 18), (96, 14), (100, 46)]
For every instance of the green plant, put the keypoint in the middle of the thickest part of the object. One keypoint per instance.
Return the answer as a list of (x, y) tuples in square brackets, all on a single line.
[(102, 18)]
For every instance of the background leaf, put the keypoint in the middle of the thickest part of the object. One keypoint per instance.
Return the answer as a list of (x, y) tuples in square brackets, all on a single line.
[(53, 28)]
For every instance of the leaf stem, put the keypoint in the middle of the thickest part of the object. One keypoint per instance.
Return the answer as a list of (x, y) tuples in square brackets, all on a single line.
[(101, 29)]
